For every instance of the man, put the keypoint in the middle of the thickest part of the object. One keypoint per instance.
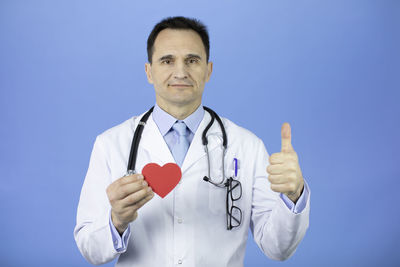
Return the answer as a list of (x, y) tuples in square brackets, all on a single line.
[(199, 223)]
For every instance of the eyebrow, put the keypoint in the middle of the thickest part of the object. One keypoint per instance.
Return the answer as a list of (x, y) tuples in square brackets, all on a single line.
[(187, 56), (166, 57), (193, 56)]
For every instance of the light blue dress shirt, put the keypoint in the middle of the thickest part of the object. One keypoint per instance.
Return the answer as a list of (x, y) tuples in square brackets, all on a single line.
[(164, 122)]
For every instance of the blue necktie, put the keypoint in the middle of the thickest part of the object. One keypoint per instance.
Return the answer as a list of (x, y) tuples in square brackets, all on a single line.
[(180, 148)]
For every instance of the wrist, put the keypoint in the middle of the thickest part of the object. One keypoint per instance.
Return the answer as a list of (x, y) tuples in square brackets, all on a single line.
[(295, 196), (121, 227)]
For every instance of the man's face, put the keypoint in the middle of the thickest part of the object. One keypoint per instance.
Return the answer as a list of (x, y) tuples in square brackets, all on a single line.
[(179, 68)]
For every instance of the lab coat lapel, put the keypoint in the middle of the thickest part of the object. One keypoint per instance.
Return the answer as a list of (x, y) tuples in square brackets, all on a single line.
[(196, 150), (154, 143)]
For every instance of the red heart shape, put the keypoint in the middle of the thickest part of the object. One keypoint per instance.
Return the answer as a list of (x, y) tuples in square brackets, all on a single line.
[(162, 179)]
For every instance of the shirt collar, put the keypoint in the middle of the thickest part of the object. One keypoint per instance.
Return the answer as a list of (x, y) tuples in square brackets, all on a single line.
[(164, 121)]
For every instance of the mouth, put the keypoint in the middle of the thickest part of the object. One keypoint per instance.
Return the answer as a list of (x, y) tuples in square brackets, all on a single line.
[(180, 85)]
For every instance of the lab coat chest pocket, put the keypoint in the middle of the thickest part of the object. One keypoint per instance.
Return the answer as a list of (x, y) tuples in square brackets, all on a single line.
[(218, 196)]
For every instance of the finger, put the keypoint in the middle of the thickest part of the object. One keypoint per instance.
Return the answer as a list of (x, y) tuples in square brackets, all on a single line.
[(130, 188), (276, 158), (130, 179), (136, 197), (275, 169), (286, 135), (277, 179), (124, 186), (122, 181), (139, 204)]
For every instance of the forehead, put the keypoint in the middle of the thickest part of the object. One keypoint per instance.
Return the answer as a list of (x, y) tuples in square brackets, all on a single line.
[(176, 42)]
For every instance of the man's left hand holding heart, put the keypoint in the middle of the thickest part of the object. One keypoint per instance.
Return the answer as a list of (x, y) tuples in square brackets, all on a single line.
[(284, 170)]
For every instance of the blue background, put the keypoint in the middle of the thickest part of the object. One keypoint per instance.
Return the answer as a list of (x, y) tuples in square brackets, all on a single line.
[(71, 69)]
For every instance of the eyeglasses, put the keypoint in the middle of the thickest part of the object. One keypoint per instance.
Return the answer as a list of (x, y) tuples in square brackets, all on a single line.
[(233, 213)]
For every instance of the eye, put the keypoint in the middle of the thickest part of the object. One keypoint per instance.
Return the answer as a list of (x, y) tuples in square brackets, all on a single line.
[(166, 61), (193, 60)]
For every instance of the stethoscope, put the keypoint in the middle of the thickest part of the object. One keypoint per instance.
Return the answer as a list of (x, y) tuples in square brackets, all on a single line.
[(138, 134)]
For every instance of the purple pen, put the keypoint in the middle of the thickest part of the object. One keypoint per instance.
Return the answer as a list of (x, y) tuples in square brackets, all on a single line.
[(235, 165)]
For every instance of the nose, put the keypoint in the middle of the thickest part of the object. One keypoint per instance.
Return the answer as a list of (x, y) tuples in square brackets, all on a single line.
[(180, 71)]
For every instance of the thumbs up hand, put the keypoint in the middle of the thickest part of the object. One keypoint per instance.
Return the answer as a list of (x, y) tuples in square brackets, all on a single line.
[(284, 169)]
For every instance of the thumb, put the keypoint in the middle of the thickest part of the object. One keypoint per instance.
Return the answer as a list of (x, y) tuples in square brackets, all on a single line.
[(286, 138)]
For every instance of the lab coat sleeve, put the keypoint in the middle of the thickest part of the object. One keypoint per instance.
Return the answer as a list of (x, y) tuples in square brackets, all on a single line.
[(276, 229), (92, 231)]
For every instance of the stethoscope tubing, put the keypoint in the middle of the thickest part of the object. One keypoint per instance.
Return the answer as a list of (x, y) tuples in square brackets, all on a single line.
[(138, 134)]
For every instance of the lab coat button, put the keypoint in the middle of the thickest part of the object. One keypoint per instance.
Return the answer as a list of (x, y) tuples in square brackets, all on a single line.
[(179, 220), (180, 262)]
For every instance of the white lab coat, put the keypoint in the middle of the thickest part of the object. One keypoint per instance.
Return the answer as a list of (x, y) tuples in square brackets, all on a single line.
[(188, 226)]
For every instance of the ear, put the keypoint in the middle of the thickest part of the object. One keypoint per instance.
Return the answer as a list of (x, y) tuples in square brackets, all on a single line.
[(147, 68), (209, 70)]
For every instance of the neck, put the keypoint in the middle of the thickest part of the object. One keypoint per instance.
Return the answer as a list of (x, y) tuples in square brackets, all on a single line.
[(177, 111)]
